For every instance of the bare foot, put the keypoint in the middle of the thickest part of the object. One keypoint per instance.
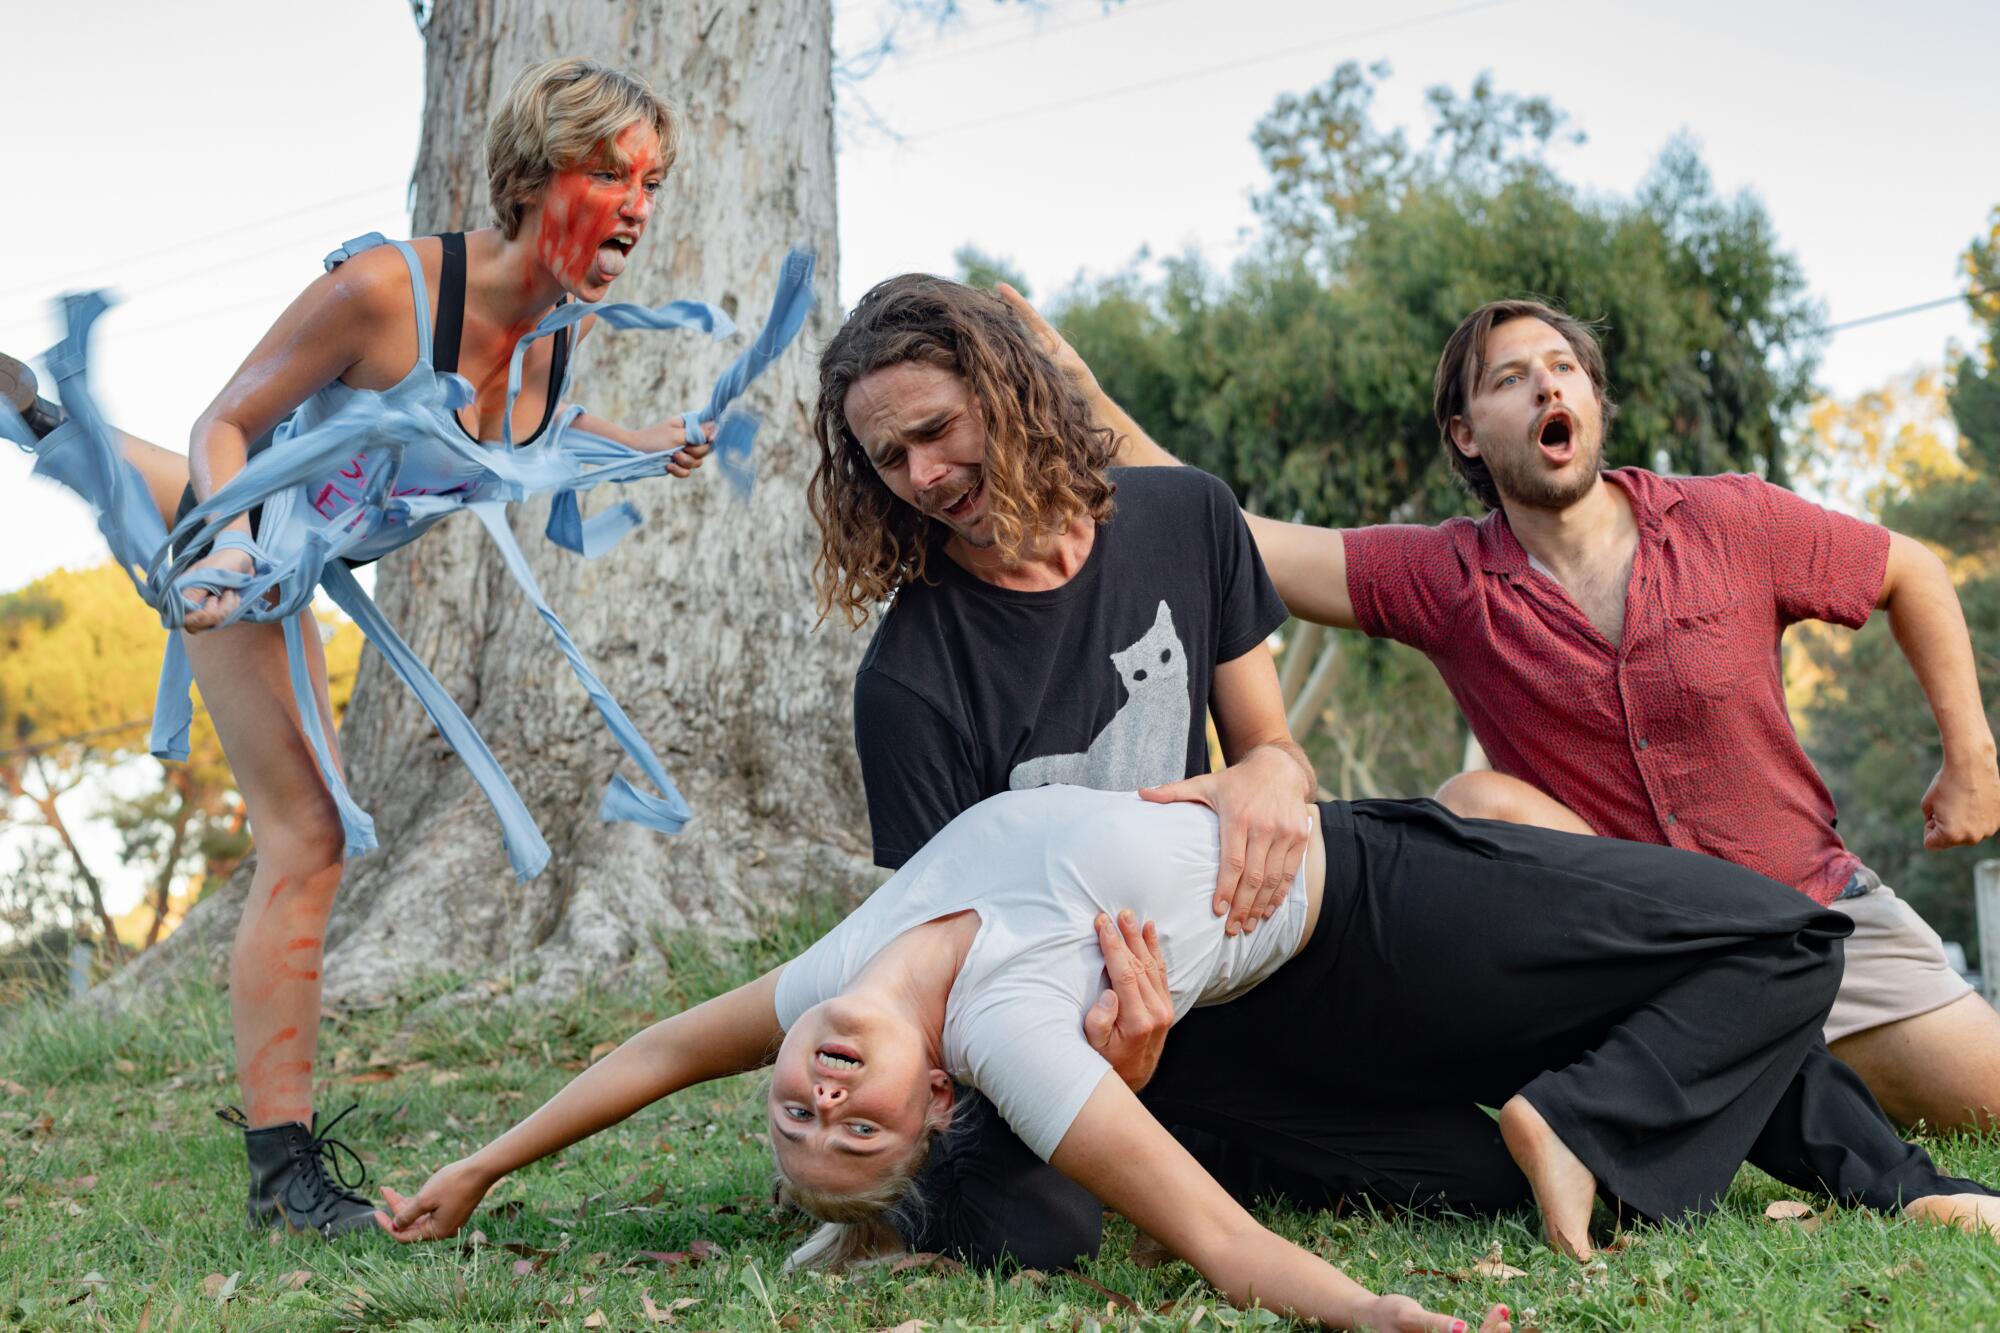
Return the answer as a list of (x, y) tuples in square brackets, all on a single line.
[(1564, 1188), (1967, 1212)]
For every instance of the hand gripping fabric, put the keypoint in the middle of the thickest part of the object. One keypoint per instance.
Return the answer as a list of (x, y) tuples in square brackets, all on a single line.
[(298, 550)]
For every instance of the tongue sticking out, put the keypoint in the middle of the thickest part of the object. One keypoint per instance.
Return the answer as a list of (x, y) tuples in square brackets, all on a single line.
[(610, 260)]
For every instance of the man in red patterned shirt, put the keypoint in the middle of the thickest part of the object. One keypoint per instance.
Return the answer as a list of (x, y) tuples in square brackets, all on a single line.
[(1612, 638)]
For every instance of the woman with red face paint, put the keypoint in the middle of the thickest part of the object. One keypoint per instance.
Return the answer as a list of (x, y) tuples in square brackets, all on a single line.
[(575, 157)]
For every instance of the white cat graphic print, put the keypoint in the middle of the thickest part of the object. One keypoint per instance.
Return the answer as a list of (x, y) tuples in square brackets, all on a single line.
[(1145, 742)]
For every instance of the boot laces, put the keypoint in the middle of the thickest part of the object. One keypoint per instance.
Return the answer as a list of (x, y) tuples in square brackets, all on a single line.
[(310, 1189)]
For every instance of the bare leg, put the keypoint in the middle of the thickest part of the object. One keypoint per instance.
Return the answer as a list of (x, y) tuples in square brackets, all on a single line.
[(1941, 1068), (275, 969), (165, 471), (1489, 795), (1564, 1188), (1967, 1212)]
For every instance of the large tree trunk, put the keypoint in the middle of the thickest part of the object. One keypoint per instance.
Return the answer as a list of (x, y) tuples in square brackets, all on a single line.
[(701, 622)]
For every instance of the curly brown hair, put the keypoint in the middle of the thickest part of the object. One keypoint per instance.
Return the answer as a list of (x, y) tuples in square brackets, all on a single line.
[(1045, 463)]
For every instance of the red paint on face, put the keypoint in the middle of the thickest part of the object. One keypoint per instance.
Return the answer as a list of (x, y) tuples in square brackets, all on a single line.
[(586, 206)]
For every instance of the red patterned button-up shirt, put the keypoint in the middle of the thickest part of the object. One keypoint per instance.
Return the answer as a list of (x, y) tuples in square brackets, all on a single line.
[(1679, 733)]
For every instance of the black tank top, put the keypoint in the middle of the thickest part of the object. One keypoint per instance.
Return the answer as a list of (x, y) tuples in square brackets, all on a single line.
[(451, 328)]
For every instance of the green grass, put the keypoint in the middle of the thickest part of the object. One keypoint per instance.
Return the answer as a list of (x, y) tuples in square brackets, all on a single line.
[(121, 1205)]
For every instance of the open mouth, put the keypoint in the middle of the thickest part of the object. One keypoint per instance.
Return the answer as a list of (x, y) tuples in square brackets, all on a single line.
[(843, 1059), (1557, 434), (962, 507), (612, 254)]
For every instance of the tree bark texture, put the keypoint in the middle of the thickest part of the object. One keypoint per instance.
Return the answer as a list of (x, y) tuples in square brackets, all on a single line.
[(701, 622)]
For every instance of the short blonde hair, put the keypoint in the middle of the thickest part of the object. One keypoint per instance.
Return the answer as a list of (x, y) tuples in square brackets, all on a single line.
[(560, 115)]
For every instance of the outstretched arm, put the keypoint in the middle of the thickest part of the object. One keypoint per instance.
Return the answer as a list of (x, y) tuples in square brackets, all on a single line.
[(1135, 447), (1308, 565), (1962, 805), (723, 1036), (1120, 1153)]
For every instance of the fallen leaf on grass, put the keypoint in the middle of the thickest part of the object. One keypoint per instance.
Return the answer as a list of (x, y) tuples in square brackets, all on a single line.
[(579, 1296), (909, 1326), (444, 1076), (523, 1267), (371, 1076), (1795, 1211), (595, 1319), (295, 1280), (602, 1049), (507, 1211), (1148, 1252), (693, 1254), (125, 1066), (1028, 1277), (11, 1088), (1117, 1298), (924, 1259), (79, 1185), (1493, 1267), (221, 1288), (664, 1314)]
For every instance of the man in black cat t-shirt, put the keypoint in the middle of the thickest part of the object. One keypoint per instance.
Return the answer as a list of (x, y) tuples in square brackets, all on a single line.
[(1037, 632)]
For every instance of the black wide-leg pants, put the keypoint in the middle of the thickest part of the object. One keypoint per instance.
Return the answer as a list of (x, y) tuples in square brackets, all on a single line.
[(1660, 1009)]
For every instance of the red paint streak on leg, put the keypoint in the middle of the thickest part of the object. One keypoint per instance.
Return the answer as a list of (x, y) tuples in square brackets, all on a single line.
[(276, 889), (278, 1090), (286, 971)]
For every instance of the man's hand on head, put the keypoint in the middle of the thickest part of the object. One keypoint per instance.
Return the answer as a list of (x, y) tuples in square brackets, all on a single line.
[(1262, 803), (1128, 1025), (1052, 343), (1962, 804)]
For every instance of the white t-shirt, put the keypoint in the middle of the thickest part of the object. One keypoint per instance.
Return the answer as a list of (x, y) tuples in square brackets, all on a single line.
[(1038, 866)]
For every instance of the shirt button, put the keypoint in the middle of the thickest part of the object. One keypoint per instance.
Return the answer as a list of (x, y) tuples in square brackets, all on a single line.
[(1642, 742), (1670, 820)]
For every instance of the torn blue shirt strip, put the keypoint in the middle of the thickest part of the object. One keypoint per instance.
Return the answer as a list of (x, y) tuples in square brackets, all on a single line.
[(365, 437)]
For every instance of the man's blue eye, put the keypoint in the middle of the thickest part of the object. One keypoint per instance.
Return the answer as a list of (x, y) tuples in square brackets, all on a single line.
[(862, 1130), (797, 1113)]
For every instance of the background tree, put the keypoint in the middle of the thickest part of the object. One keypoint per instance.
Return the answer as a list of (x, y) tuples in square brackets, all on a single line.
[(1302, 376), (79, 662), (1867, 724)]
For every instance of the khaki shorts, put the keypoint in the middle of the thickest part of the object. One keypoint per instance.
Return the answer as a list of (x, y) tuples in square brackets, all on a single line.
[(1896, 967)]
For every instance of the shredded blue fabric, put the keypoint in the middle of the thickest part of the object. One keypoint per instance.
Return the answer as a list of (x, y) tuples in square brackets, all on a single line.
[(301, 544)]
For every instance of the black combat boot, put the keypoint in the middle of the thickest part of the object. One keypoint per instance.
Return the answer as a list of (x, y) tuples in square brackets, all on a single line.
[(17, 387), (289, 1185)]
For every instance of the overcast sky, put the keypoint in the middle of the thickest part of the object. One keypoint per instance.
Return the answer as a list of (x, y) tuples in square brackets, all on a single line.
[(201, 168)]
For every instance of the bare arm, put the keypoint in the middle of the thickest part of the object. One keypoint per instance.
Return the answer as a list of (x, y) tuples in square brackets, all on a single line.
[(723, 1036), (1260, 798), (1962, 805), (1308, 567), (1135, 447), (1120, 1153), (320, 337)]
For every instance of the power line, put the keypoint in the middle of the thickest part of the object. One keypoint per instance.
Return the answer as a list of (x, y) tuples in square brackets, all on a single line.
[(1049, 30), (88, 274), (1898, 313), (1204, 71)]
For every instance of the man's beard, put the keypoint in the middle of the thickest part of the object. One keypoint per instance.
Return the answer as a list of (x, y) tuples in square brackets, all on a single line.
[(1532, 485)]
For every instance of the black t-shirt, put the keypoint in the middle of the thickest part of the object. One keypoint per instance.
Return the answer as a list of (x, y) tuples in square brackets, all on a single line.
[(969, 690)]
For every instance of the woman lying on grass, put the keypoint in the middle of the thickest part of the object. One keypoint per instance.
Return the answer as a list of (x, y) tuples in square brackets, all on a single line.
[(1648, 1018)]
